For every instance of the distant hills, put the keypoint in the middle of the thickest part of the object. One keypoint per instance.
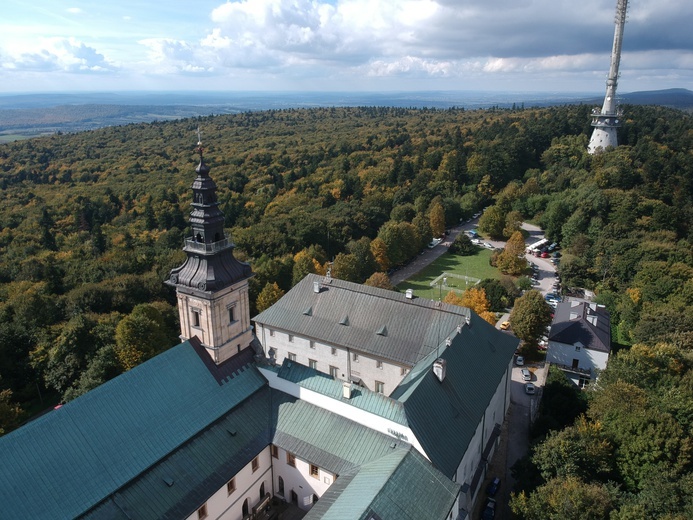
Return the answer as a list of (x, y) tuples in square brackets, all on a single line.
[(29, 115)]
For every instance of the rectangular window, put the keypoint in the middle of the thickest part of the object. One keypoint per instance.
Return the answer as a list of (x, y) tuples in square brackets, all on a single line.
[(313, 364), (356, 357), (271, 333), (202, 512), (312, 344), (272, 353), (403, 371), (334, 351), (231, 486), (380, 387), (291, 338), (231, 316), (292, 356), (334, 371), (275, 451), (577, 349), (255, 464), (291, 459), (314, 472), (379, 364), (196, 318)]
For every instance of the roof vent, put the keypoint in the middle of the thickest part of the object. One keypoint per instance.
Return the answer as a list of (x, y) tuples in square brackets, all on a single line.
[(169, 481), (308, 311), (409, 294), (468, 319), (232, 432), (448, 342), (439, 369), (382, 331), (316, 286), (344, 320), (459, 329), (346, 390)]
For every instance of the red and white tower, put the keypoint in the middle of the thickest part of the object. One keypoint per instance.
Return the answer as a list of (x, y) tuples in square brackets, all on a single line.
[(608, 120)]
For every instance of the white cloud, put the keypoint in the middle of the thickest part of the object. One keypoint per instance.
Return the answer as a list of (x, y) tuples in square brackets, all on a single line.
[(57, 54), (354, 41)]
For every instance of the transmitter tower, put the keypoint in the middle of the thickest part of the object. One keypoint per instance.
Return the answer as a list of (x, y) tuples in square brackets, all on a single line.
[(606, 121)]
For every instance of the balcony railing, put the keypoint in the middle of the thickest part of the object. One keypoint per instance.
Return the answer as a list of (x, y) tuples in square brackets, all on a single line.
[(202, 247)]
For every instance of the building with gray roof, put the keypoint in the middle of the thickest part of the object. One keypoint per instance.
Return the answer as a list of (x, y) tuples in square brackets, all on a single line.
[(580, 340), (378, 406)]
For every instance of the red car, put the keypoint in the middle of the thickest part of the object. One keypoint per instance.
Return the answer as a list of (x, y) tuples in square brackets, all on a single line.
[(544, 255)]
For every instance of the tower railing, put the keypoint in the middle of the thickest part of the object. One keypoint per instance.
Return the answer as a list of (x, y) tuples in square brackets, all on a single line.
[(193, 245)]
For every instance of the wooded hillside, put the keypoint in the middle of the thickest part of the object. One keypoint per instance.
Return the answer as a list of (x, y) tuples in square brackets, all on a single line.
[(91, 223)]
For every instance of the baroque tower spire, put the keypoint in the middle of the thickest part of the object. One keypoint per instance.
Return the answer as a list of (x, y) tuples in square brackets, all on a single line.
[(211, 285), (608, 120)]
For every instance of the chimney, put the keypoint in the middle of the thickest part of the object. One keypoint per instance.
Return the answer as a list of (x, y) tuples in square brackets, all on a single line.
[(410, 294), (439, 369), (448, 342), (459, 329), (346, 390), (316, 286), (468, 319)]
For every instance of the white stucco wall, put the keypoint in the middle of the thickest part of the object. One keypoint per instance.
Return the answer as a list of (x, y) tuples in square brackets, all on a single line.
[(365, 367), (299, 480), (225, 506), (588, 359)]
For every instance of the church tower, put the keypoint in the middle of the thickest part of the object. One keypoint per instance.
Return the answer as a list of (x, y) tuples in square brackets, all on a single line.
[(212, 285)]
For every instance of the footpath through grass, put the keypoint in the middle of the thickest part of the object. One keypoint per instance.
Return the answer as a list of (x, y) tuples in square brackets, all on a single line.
[(474, 266)]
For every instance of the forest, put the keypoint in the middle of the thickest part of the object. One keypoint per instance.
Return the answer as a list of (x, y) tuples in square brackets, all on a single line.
[(92, 222)]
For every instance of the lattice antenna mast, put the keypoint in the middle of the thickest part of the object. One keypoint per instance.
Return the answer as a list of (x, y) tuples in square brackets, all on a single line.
[(606, 121)]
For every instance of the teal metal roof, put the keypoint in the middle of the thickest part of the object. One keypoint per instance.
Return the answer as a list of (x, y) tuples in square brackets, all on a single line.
[(361, 397), (69, 460), (366, 319), (444, 416), (402, 485), (176, 486), (326, 439)]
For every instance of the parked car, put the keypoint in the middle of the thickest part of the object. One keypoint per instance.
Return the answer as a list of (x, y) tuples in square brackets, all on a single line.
[(488, 246), (530, 389), (545, 254), (493, 487), (489, 512), (505, 325), (526, 375), (519, 361)]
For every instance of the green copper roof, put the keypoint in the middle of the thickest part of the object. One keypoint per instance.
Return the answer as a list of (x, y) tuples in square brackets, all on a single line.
[(444, 416), (402, 485), (362, 398), (324, 438), (67, 461)]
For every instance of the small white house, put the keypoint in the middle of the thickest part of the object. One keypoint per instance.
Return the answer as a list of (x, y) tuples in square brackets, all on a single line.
[(580, 340)]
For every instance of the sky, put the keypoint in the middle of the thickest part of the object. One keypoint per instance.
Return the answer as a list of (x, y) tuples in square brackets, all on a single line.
[(341, 45)]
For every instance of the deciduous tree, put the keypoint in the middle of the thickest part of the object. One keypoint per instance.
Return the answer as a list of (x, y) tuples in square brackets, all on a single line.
[(269, 295), (530, 316)]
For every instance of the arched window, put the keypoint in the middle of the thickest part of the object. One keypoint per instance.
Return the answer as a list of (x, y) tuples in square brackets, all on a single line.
[(262, 491), (281, 486), (245, 508)]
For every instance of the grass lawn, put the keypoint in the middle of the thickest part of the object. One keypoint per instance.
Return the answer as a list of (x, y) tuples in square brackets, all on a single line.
[(475, 266)]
